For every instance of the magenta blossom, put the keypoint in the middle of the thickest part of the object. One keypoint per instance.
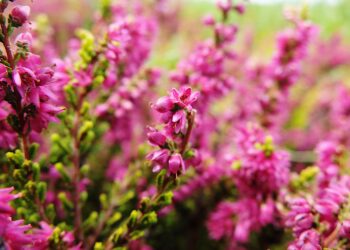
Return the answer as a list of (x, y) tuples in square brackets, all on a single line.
[(300, 218), (5, 198), (174, 109), (184, 98), (156, 138), (14, 233), (8, 137), (34, 83), (176, 163), (332, 199), (262, 169), (309, 240), (234, 220), (20, 14), (328, 153), (41, 238), (164, 159)]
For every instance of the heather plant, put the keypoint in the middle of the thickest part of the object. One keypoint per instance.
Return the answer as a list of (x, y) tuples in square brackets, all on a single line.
[(104, 147)]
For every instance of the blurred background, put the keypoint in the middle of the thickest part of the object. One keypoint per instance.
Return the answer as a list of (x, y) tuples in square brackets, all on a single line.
[(261, 21)]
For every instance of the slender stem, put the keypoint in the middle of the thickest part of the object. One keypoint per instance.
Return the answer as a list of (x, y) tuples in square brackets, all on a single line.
[(109, 244), (41, 210), (99, 228), (6, 42), (191, 118), (332, 237), (23, 135), (25, 146), (7, 45), (76, 172)]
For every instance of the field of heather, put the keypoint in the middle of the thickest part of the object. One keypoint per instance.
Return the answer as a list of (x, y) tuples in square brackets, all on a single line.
[(174, 125)]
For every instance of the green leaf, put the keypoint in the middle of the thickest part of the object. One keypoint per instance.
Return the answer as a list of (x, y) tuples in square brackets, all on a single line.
[(41, 190), (160, 179)]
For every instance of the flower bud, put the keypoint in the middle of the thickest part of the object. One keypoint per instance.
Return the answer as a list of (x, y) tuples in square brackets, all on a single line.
[(224, 5), (345, 228), (176, 163), (163, 104), (156, 138), (25, 37), (159, 156), (208, 20), (20, 14), (240, 8)]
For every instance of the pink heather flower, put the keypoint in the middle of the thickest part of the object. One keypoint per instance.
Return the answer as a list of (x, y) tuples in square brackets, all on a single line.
[(225, 5), (26, 38), (309, 240), (240, 8), (300, 217), (234, 220), (345, 229), (332, 198), (178, 122), (176, 99), (164, 159), (156, 138), (20, 14), (292, 47), (45, 114), (5, 198), (164, 104), (35, 85), (174, 108), (220, 223), (209, 20), (118, 38), (138, 245), (83, 77), (204, 69), (160, 158), (205, 61), (3, 76), (206, 178), (227, 33), (259, 172), (8, 137), (13, 233), (339, 115), (117, 170), (176, 163), (184, 98), (41, 236), (268, 212), (327, 153), (129, 43)]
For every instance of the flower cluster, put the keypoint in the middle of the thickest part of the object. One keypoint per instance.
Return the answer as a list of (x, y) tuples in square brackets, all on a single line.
[(16, 235), (129, 44), (178, 116), (26, 86), (260, 172), (205, 67), (235, 221), (321, 221), (260, 168)]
